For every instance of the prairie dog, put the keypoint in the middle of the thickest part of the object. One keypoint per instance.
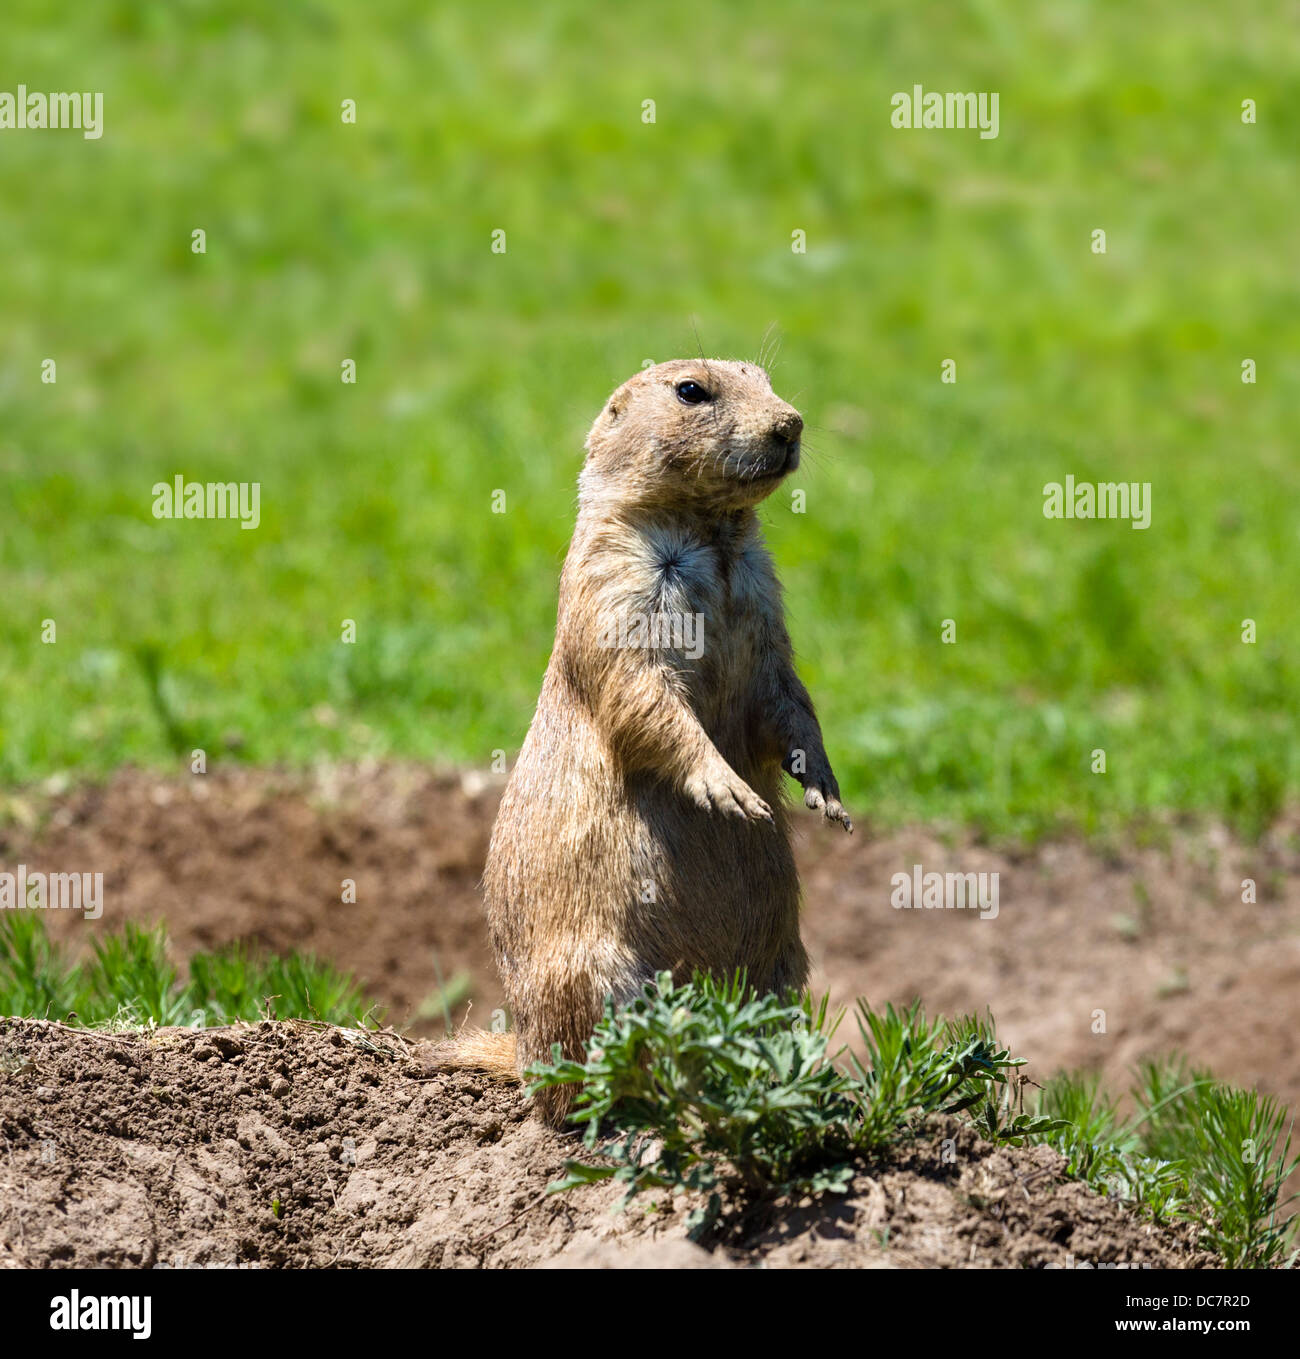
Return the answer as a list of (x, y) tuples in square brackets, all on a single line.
[(643, 828)]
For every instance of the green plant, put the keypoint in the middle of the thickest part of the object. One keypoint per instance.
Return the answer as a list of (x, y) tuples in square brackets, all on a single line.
[(34, 978), (129, 981), (915, 1068), (239, 983), (708, 1086), (131, 968), (708, 1079), (1194, 1150), (1236, 1147)]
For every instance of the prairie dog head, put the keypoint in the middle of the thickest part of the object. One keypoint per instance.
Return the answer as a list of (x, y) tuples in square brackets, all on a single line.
[(705, 434)]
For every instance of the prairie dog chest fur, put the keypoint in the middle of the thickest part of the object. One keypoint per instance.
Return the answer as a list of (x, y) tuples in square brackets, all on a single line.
[(708, 593)]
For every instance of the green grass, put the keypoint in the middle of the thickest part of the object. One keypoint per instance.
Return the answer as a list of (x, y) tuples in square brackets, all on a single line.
[(481, 371), (128, 982), (707, 1087), (1194, 1148)]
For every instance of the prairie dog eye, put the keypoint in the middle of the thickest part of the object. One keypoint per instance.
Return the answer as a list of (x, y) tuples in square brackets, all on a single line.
[(691, 394)]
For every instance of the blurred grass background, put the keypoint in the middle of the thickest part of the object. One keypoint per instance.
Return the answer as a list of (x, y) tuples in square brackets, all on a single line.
[(479, 371)]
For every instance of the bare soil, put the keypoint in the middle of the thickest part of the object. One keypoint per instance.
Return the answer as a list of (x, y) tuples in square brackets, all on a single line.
[(288, 1144), (1099, 955)]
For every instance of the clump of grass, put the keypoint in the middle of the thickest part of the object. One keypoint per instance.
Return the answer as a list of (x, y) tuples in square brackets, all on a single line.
[(128, 981), (1193, 1150), (707, 1085), (916, 1067), (34, 977), (240, 983)]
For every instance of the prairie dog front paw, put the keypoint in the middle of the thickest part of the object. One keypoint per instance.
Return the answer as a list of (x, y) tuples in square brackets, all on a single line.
[(717, 787), (815, 798)]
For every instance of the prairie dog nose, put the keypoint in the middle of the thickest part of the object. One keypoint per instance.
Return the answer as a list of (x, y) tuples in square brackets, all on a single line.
[(788, 425)]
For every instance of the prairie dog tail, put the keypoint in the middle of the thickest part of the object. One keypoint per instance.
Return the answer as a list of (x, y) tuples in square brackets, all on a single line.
[(477, 1050)]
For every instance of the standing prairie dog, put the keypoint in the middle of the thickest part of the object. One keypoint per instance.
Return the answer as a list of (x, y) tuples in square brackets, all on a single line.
[(642, 828)]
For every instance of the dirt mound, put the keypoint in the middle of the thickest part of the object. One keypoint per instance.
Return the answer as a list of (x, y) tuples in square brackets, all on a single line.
[(1097, 957), (298, 1145), (255, 855)]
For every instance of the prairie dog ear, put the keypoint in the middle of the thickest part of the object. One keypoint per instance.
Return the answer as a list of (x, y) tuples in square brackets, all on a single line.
[(618, 401), (609, 414)]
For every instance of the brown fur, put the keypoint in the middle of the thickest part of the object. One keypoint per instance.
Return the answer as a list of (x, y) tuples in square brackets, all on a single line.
[(477, 1050), (642, 828)]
